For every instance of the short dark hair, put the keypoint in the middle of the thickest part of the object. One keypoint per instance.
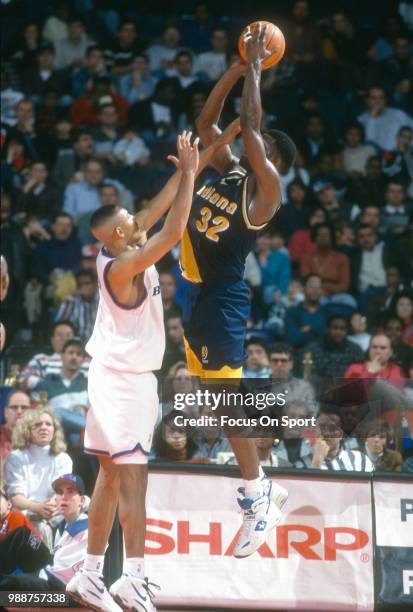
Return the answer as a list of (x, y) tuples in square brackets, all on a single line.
[(315, 229), (281, 347), (102, 214), (258, 342), (77, 134), (126, 21), (61, 214), (355, 125), (364, 226), (91, 275), (62, 322), (337, 317), (184, 53), (392, 317), (104, 185), (284, 146), (74, 342), (395, 181)]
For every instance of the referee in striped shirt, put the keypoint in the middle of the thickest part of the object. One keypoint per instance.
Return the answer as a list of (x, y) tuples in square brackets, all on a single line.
[(328, 452)]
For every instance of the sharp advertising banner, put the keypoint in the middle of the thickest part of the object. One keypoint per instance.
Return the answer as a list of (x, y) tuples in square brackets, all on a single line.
[(320, 557), (394, 538)]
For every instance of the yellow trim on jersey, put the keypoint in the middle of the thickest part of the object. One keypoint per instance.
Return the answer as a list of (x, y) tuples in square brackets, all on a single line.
[(196, 369), (190, 269), (245, 210)]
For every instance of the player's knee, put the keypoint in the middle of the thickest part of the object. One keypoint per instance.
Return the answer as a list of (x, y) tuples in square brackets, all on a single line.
[(133, 475), (109, 471)]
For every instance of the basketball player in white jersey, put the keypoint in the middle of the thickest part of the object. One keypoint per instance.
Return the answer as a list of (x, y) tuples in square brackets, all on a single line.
[(127, 344)]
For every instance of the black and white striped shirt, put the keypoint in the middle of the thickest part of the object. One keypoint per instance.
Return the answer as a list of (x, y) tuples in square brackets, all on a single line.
[(345, 461)]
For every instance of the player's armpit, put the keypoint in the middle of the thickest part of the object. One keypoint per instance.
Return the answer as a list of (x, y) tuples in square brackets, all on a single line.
[(267, 194)]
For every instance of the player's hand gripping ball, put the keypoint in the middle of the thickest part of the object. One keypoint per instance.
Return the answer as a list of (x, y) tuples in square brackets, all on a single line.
[(274, 42)]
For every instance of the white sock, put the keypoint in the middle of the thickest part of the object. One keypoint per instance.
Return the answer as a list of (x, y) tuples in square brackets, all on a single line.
[(252, 486), (94, 563), (135, 566)]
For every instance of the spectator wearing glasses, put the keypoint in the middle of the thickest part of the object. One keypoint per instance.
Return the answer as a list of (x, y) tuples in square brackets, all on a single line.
[(173, 443), (282, 364), (18, 402)]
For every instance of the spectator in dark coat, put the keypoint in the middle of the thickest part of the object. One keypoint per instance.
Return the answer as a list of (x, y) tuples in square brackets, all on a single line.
[(62, 252), (37, 81), (333, 354), (307, 321)]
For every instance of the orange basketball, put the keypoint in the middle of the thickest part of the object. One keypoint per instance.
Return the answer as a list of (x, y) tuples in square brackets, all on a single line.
[(274, 41)]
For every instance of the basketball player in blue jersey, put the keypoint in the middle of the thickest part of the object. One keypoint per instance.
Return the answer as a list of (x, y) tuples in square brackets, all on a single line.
[(222, 227)]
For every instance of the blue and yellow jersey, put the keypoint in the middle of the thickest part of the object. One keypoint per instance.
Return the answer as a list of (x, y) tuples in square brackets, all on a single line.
[(219, 234)]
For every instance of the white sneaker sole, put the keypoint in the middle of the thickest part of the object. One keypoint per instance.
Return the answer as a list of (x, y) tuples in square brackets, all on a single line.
[(127, 608), (76, 596)]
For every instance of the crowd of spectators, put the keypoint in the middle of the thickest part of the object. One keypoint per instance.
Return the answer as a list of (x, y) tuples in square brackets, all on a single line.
[(92, 98), (93, 95)]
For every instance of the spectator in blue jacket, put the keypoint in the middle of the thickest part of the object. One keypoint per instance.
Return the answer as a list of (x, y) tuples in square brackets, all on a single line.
[(307, 321), (275, 265)]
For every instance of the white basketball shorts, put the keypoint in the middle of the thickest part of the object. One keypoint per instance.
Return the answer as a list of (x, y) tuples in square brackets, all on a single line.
[(123, 412)]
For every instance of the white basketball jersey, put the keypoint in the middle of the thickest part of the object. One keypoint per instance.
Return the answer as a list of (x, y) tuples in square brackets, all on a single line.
[(128, 338)]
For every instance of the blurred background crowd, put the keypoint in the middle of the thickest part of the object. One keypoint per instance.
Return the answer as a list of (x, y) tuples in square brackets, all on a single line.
[(93, 95)]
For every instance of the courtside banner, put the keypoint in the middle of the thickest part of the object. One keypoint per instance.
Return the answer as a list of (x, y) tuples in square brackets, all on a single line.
[(319, 557), (394, 536)]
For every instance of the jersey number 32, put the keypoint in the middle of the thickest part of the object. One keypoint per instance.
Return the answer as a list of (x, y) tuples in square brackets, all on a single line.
[(211, 226)]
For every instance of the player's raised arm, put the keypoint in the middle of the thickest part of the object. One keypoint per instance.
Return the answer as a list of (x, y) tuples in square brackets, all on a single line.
[(162, 202), (133, 261), (268, 193), (207, 121)]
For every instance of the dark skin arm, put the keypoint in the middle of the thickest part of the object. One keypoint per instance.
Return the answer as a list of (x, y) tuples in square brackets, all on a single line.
[(266, 192), (162, 202), (207, 122)]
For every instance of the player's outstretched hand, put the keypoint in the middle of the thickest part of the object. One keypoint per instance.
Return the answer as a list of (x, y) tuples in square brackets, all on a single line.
[(255, 44), (188, 154), (230, 133)]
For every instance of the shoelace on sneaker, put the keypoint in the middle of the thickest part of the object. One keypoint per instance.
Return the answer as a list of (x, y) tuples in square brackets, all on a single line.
[(147, 586)]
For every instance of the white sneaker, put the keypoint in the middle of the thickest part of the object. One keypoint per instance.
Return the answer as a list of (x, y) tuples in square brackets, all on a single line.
[(134, 593), (278, 494), (88, 589), (261, 514)]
